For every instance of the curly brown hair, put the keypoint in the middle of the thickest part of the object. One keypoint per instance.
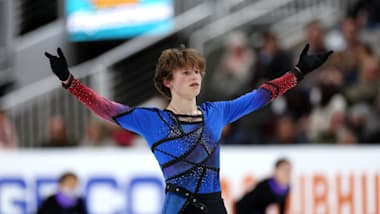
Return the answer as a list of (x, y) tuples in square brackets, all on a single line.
[(172, 59)]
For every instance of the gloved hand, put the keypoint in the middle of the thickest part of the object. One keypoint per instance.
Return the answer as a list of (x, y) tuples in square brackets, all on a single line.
[(309, 62), (59, 65)]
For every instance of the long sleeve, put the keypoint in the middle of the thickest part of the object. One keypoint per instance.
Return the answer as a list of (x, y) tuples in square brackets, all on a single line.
[(279, 86), (99, 105), (251, 101)]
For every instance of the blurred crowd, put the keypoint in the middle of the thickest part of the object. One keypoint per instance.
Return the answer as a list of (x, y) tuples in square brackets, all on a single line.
[(98, 133), (339, 103)]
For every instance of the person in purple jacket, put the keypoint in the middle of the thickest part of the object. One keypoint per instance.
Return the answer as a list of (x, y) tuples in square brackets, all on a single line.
[(268, 192), (67, 199), (184, 136)]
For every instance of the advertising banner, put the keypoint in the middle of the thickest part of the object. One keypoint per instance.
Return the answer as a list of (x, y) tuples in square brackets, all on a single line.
[(325, 179)]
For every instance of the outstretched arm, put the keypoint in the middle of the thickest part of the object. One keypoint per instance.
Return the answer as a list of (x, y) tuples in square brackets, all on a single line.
[(256, 99), (100, 105), (306, 64)]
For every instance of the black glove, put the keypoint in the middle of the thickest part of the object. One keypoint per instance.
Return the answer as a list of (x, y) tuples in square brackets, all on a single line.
[(308, 63), (59, 65)]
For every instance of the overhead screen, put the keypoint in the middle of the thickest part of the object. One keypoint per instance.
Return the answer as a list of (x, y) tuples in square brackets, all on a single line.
[(89, 20)]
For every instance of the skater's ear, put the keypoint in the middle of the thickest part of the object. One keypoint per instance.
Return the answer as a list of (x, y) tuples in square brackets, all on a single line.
[(167, 83)]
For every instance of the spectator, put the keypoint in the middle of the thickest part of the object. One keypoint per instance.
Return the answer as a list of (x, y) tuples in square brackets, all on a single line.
[(346, 136), (351, 33), (234, 71), (315, 36), (97, 134), (271, 191), (286, 131), (67, 200), (8, 137), (366, 89), (123, 137), (366, 12), (272, 61), (328, 100), (365, 123), (353, 51), (337, 129), (57, 133)]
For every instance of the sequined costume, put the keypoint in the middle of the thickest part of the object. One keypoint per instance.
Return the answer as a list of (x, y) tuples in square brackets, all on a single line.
[(187, 152)]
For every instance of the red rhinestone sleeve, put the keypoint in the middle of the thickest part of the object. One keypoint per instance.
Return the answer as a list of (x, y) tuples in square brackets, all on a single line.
[(98, 104), (280, 85)]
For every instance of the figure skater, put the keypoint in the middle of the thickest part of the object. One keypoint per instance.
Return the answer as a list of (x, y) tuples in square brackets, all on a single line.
[(184, 136)]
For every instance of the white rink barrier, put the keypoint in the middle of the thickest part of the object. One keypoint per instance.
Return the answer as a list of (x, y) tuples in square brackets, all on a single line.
[(326, 179)]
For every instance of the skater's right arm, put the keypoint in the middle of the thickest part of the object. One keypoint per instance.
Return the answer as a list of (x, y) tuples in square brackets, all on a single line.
[(98, 104)]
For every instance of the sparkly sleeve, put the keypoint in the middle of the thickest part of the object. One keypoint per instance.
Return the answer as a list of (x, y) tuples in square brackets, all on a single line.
[(249, 102), (99, 105), (279, 86)]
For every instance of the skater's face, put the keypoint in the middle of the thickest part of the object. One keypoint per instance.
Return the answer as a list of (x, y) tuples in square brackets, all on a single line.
[(186, 83)]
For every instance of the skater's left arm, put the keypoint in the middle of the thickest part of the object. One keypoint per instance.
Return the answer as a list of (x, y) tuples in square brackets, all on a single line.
[(306, 64), (236, 108)]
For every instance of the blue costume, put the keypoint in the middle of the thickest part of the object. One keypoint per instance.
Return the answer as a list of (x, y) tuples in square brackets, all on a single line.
[(187, 152)]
